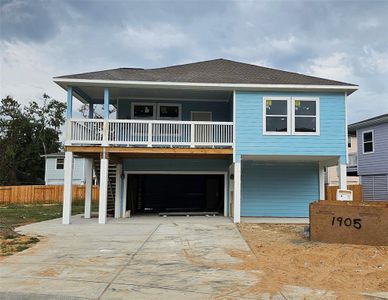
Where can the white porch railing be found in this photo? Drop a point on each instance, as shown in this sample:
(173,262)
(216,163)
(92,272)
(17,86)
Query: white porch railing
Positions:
(149,133)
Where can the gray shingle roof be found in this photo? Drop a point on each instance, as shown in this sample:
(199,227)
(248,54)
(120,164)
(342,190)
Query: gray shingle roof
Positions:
(211,71)
(368,122)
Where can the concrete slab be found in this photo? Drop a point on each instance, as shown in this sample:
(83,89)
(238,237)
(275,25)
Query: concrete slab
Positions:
(146,257)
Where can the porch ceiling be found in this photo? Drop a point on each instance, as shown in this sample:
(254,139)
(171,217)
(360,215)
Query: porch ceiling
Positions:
(95,94)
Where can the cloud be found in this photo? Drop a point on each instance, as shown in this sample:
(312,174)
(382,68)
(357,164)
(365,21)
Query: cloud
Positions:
(343,40)
(335,66)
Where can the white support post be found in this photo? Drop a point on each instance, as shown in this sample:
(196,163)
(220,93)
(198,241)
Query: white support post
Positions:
(237,192)
(118,191)
(321,182)
(88,187)
(342,176)
(68,187)
(102,208)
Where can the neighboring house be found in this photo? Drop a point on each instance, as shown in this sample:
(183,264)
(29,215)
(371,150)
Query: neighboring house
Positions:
(372,167)
(352,177)
(212,136)
(54,169)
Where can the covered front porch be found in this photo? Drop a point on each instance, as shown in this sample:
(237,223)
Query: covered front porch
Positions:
(129,116)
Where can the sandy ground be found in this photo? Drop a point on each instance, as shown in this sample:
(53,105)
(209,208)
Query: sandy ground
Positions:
(288,258)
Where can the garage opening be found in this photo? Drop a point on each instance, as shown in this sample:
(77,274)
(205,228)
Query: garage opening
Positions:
(175,193)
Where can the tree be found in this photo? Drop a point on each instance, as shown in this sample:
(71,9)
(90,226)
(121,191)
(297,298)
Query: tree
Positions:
(26,134)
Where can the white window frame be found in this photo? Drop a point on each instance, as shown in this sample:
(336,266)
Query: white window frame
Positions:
(202,112)
(317,115)
(169,104)
(145,104)
(373,141)
(276,98)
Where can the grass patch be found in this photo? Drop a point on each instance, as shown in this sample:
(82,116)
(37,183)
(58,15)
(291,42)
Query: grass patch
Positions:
(14,215)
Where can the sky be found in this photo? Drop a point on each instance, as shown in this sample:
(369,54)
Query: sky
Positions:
(341,40)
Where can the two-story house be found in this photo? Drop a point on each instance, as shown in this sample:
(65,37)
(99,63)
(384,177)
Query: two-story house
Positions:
(372,163)
(212,136)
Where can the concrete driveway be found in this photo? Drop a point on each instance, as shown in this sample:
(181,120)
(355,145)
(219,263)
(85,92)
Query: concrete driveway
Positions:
(138,258)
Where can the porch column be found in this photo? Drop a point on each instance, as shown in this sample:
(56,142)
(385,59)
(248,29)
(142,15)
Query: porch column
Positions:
(67,187)
(321,182)
(237,192)
(118,191)
(88,187)
(69,108)
(106,103)
(91,111)
(102,208)
(342,176)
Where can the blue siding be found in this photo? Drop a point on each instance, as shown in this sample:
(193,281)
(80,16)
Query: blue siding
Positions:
(249,128)
(278,189)
(220,110)
(376,162)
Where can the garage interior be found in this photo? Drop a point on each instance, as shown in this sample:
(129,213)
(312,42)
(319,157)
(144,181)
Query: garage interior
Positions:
(175,194)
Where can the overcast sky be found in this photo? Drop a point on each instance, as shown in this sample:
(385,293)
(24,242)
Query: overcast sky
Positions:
(342,40)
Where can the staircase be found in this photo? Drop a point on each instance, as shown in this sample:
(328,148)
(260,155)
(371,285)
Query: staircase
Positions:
(111,184)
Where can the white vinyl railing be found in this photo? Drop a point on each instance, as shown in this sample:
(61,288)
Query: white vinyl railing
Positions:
(149,133)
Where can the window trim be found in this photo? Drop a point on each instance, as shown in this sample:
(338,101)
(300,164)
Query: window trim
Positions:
(145,104)
(373,141)
(179,118)
(317,115)
(56,163)
(275,98)
(199,111)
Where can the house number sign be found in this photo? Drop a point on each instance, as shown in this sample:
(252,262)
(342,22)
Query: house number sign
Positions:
(347,222)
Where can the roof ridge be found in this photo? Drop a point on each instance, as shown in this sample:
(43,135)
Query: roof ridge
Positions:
(185,64)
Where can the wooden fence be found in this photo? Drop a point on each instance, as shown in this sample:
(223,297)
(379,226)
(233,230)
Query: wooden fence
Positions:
(29,194)
(331,191)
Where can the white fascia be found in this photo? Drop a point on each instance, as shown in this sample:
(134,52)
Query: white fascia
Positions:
(194,85)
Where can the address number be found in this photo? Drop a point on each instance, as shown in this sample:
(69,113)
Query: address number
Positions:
(340,221)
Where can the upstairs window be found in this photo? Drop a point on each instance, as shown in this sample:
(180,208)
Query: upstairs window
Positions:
(290,115)
(143,111)
(276,116)
(169,111)
(305,116)
(367,141)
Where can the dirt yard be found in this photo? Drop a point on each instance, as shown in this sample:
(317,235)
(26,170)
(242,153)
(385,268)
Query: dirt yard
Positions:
(288,258)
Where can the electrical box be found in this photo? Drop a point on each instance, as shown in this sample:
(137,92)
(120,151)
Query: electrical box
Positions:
(344,195)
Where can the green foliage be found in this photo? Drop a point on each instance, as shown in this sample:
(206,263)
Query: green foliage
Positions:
(26,134)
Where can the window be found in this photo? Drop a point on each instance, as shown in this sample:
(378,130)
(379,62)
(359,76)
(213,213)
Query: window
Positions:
(169,111)
(60,164)
(286,115)
(367,141)
(142,111)
(276,116)
(305,116)
(205,116)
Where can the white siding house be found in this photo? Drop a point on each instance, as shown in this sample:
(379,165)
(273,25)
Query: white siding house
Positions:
(54,169)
